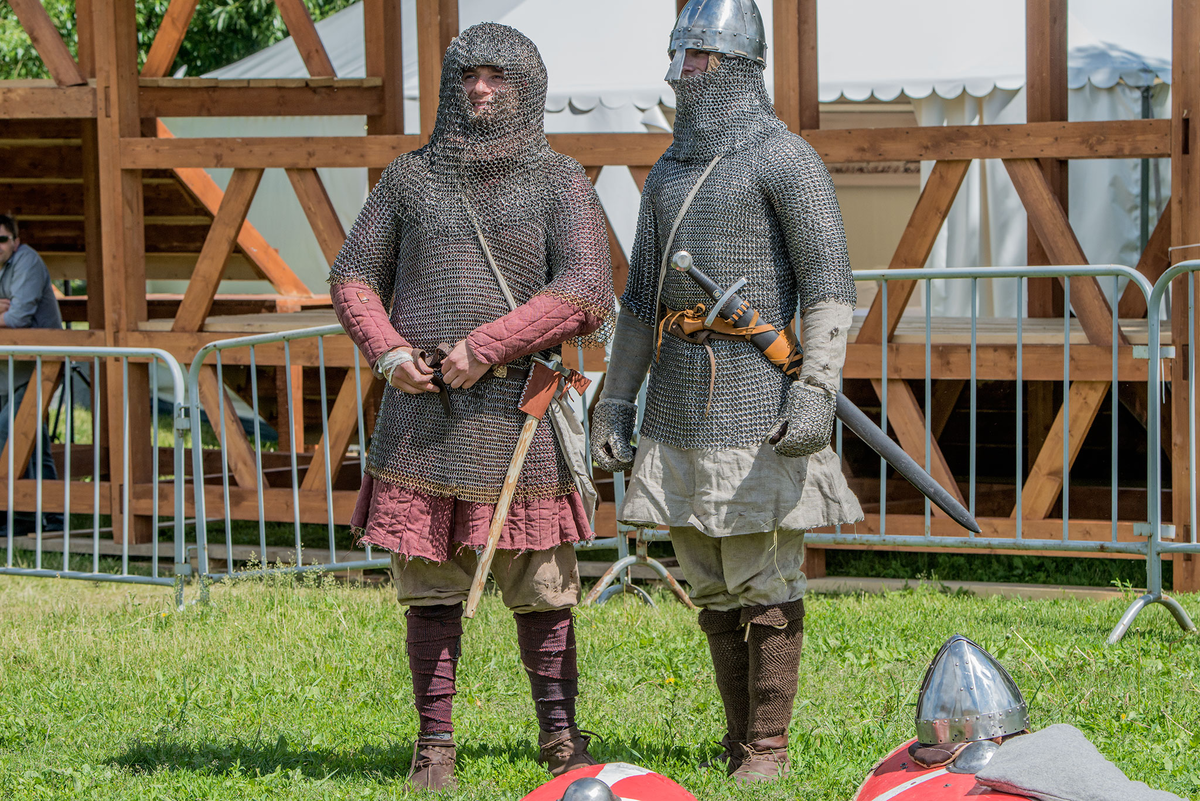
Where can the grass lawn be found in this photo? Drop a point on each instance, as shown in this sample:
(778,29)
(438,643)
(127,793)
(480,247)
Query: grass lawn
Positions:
(280,690)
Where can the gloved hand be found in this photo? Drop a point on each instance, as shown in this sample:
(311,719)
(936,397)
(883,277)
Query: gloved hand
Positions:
(612,435)
(806,420)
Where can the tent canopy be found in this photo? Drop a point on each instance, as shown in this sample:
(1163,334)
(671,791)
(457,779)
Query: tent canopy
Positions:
(616,58)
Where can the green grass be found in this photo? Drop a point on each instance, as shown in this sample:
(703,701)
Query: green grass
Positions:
(287,689)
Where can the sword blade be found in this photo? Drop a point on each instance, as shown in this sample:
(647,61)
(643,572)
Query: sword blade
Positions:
(853,418)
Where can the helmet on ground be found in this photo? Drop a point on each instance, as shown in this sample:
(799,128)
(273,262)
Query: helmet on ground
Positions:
(967,695)
(732,27)
(614,781)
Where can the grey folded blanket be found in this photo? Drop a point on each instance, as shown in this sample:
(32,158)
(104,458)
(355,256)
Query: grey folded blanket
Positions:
(1060,764)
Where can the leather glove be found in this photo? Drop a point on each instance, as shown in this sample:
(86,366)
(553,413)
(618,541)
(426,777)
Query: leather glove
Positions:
(805,422)
(612,435)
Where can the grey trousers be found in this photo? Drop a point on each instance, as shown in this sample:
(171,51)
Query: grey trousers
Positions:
(725,573)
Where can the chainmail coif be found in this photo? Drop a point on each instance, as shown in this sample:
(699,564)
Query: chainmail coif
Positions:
(768,213)
(415,244)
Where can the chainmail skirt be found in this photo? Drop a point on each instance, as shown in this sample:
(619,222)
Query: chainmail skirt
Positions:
(414,524)
(729,491)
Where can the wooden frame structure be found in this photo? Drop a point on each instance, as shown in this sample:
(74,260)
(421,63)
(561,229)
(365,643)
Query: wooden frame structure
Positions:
(124,151)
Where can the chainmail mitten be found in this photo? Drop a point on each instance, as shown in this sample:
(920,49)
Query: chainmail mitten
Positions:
(805,422)
(612,432)
(616,414)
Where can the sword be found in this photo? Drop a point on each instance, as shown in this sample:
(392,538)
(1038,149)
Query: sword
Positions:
(730,306)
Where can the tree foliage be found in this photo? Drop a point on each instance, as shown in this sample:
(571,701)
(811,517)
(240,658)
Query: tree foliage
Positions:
(221,32)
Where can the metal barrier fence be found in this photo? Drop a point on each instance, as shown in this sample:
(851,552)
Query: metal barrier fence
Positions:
(1155,547)
(275,504)
(109,556)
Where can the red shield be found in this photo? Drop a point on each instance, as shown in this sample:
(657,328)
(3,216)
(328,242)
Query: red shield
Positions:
(628,782)
(898,778)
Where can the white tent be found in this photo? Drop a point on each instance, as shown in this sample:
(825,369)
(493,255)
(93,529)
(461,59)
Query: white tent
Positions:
(957,61)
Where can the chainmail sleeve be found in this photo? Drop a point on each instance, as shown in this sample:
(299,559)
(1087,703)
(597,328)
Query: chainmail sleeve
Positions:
(646,257)
(577,252)
(803,198)
(371,249)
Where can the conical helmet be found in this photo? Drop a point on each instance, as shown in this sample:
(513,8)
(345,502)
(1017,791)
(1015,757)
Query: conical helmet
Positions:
(733,27)
(588,789)
(967,695)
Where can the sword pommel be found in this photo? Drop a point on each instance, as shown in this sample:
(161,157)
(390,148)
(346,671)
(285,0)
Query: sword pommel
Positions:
(682,261)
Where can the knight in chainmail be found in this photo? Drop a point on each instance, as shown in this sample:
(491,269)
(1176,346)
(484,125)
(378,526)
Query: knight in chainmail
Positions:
(733,455)
(486,241)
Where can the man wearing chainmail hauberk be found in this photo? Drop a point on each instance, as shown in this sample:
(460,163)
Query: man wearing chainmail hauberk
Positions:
(490,242)
(733,455)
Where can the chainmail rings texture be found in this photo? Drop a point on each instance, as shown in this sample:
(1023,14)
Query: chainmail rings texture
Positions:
(768,213)
(415,245)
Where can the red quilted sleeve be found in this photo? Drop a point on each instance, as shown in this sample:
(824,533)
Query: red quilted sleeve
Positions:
(541,323)
(361,313)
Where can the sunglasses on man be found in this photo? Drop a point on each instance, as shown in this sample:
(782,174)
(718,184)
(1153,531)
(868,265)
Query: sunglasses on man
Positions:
(5,238)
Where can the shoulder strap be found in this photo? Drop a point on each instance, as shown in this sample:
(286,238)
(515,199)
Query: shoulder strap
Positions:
(487,252)
(687,202)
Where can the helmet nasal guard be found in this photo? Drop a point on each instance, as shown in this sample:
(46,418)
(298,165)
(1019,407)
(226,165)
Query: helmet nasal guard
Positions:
(967,695)
(732,27)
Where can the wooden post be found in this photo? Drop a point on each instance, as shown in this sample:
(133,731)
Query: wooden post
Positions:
(1185,230)
(796,87)
(114,38)
(385,61)
(437,24)
(1045,101)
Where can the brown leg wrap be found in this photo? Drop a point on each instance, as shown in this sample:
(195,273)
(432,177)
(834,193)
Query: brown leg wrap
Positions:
(731,667)
(547,643)
(434,645)
(774,637)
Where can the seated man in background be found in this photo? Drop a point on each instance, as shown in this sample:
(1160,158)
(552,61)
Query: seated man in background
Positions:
(26,301)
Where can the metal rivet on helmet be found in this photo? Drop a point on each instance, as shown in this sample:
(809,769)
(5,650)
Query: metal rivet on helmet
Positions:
(967,695)
(733,27)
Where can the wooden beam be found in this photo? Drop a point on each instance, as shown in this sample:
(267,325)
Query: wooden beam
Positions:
(238,451)
(48,42)
(343,423)
(42,99)
(1049,220)
(1109,139)
(992,362)
(265,258)
(1155,260)
(382,30)
(906,417)
(430,53)
(640,174)
(168,38)
(810,89)
(1045,480)
(1185,230)
(28,420)
(916,243)
(114,36)
(338,98)
(304,33)
(786,53)
(217,247)
(945,395)
(322,216)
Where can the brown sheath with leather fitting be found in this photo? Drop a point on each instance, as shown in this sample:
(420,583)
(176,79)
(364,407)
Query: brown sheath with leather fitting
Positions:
(545,383)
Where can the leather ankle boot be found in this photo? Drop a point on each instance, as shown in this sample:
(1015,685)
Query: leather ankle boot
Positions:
(564,750)
(763,760)
(432,765)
